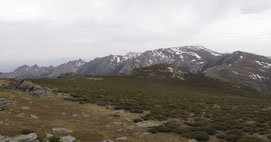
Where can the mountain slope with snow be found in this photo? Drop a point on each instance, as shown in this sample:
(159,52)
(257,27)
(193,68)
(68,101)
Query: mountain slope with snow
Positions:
(244,68)
(189,58)
(239,67)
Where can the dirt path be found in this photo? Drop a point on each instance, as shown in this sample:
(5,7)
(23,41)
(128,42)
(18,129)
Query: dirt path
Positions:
(89,122)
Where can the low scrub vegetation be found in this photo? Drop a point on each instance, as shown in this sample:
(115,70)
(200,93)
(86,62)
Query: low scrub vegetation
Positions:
(199,107)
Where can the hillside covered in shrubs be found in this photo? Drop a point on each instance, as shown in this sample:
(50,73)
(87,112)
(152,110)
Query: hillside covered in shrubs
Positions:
(193,106)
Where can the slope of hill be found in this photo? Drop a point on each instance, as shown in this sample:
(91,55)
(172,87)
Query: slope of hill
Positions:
(194,106)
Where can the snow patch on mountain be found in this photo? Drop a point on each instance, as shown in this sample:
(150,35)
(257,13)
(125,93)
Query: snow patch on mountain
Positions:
(205,49)
(235,72)
(264,64)
(256,76)
(132,54)
(179,51)
(170,69)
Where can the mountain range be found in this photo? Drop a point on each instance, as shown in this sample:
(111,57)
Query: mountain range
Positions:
(35,71)
(238,67)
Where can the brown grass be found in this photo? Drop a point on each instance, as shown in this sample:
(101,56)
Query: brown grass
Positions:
(89,122)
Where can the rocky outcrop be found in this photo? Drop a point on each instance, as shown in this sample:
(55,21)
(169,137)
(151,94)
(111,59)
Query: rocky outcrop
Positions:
(29,87)
(32,137)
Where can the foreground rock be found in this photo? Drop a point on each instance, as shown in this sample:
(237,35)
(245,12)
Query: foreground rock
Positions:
(32,137)
(67,139)
(27,86)
(146,124)
(61,130)
(117,113)
(121,139)
(3,104)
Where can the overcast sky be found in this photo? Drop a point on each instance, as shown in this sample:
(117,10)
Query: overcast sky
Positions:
(33,30)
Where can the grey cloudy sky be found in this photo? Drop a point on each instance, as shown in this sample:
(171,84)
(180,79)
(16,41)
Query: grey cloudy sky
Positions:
(33,30)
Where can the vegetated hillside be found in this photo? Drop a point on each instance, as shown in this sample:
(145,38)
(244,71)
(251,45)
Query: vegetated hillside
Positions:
(158,71)
(194,106)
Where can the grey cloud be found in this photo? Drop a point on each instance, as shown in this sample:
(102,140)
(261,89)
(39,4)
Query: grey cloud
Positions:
(255,6)
(38,29)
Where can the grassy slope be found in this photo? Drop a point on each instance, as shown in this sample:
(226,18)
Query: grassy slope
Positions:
(196,104)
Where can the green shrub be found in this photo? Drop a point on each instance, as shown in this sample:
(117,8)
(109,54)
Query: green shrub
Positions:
(26,131)
(162,129)
(201,136)
(172,125)
(232,137)
(184,132)
(137,120)
(136,111)
(250,139)
(54,139)
(221,136)
(153,131)
(209,130)
(235,132)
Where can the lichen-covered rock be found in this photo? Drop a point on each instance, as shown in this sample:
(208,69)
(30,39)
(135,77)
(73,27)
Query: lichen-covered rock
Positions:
(117,113)
(67,139)
(32,137)
(26,138)
(61,130)
(121,139)
(146,124)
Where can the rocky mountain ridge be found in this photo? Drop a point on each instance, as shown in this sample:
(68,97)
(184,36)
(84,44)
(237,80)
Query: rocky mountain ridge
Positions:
(193,59)
(239,67)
